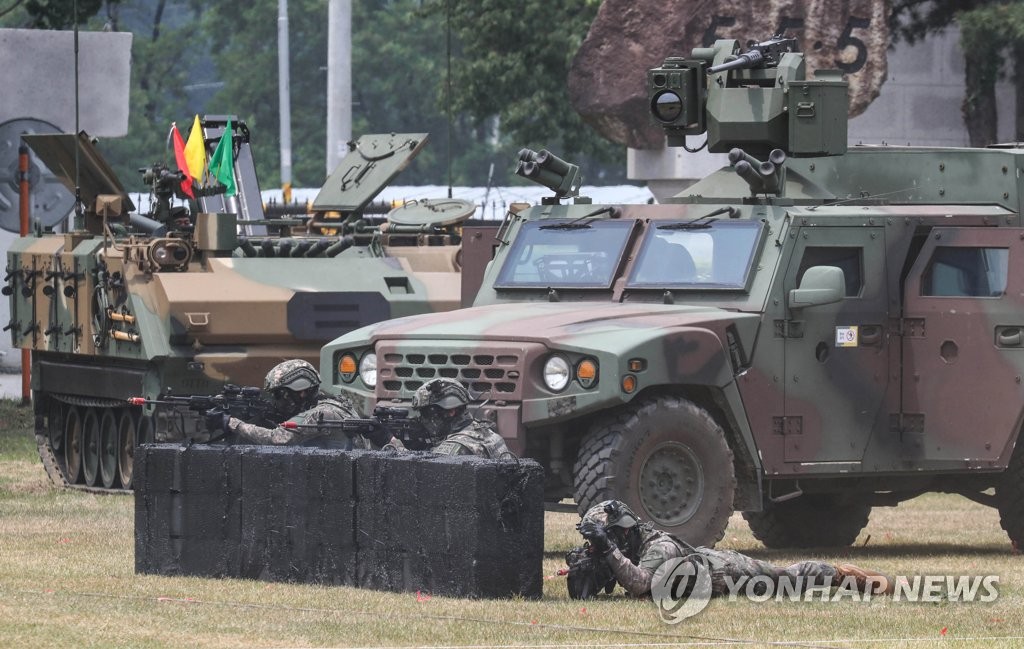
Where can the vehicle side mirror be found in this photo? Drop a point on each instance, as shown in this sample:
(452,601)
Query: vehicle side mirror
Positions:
(820,285)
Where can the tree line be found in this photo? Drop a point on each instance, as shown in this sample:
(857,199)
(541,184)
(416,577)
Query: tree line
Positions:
(220,57)
(506,88)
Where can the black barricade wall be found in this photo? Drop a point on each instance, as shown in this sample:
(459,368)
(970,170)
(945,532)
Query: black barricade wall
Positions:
(450,526)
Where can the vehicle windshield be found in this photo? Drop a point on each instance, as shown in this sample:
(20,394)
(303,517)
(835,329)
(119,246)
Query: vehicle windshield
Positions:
(565,253)
(716,254)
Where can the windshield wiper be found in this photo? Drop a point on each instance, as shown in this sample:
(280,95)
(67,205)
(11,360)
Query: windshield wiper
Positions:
(583,222)
(702,222)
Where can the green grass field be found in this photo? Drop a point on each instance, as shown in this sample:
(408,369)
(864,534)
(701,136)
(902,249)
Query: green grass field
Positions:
(67,579)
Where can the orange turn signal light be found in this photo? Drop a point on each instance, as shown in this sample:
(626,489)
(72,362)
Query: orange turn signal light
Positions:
(586,372)
(628,383)
(348,369)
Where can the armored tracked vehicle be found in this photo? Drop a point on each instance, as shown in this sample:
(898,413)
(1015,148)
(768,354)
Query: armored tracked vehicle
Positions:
(184,300)
(801,336)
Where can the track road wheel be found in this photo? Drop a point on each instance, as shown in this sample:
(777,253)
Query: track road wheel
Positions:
(1010,498)
(813,520)
(108,447)
(55,426)
(668,460)
(50,440)
(73,445)
(90,446)
(126,441)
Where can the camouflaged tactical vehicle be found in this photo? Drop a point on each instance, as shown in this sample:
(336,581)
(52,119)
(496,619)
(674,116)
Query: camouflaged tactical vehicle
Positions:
(182,302)
(802,336)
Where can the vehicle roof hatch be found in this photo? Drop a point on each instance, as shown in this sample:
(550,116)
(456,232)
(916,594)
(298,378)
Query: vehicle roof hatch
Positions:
(371,163)
(57,152)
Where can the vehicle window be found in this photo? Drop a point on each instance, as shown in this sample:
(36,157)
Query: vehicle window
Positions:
(718,254)
(966,272)
(848,259)
(546,255)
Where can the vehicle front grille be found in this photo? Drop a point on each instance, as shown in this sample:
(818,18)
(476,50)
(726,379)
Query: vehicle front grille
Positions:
(496,375)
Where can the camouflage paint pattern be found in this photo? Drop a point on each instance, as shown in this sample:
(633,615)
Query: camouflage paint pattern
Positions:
(871,352)
(138,315)
(881,390)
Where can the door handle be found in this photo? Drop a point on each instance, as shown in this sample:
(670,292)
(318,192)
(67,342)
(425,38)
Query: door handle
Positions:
(1009,337)
(870,334)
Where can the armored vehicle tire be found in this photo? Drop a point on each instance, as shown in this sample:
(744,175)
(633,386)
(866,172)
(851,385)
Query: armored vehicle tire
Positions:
(668,460)
(1010,498)
(814,520)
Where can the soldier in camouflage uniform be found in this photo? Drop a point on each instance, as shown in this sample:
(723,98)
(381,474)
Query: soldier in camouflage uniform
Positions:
(295,388)
(442,407)
(634,550)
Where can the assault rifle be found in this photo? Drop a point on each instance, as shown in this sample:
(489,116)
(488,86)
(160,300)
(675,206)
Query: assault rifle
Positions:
(245,403)
(588,574)
(385,423)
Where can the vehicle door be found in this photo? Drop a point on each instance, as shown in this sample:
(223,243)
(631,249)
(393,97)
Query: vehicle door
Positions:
(963,347)
(836,355)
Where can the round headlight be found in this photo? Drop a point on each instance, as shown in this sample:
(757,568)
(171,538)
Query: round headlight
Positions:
(347,368)
(368,369)
(557,373)
(667,106)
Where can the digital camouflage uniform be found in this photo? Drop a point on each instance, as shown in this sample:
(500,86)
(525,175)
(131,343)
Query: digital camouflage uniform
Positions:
(474,437)
(658,547)
(441,404)
(294,386)
(654,547)
(327,409)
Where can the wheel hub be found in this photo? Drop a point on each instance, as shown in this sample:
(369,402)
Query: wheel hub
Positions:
(671,484)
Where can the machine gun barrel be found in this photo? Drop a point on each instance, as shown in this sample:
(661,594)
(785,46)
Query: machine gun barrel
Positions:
(765,54)
(745,61)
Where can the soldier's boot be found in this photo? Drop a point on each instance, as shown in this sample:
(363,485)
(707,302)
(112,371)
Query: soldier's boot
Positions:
(878,583)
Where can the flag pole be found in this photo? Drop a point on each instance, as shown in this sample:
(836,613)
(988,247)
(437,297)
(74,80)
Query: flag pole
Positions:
(284,100)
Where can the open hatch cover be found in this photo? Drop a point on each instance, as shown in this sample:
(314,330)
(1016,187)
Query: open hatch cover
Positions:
(371,163)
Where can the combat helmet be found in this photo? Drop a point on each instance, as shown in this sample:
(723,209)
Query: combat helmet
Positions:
(447,394)
(612,513)
(295,375)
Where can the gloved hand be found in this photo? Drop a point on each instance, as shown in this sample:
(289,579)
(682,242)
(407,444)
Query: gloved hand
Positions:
(597,535)
(378,437)
(217,421)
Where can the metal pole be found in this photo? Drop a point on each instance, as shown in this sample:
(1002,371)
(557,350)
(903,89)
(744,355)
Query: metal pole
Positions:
(79,220)
(24,207)
(284,100)
(448,87)
(339,80)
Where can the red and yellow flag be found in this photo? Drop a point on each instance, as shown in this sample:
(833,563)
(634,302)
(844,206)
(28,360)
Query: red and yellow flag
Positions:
(195,152)
(179,157)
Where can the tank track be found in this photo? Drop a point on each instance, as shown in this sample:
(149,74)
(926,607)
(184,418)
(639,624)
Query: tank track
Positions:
(56,476)
(54,462)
